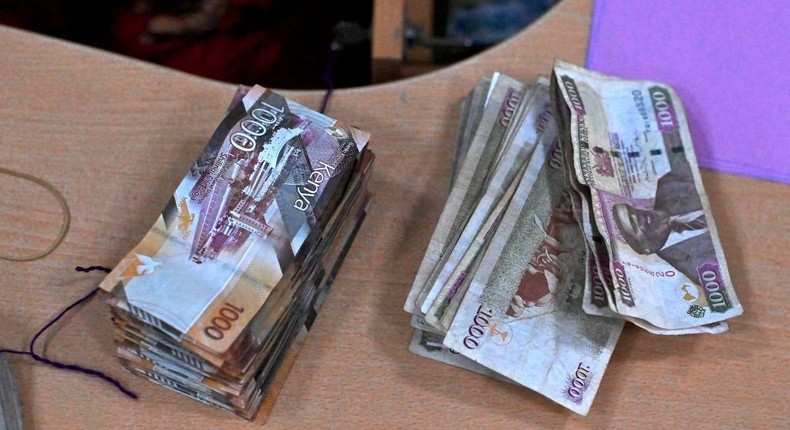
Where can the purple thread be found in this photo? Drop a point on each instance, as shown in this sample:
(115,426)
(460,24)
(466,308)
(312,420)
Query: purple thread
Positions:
(73,367)
(92,268)
(327,78)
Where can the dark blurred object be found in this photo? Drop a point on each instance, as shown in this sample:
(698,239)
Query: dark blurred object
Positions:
(416,35)
(481,23)
(488,22)
(412,37)
(268,42)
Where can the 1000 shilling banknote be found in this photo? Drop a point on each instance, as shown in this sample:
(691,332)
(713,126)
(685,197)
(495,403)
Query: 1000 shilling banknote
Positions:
(632,148)
(468,186)
(253,202)
(524,320)
(531,120)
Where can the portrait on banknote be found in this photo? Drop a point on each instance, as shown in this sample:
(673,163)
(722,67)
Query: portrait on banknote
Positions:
(675,228)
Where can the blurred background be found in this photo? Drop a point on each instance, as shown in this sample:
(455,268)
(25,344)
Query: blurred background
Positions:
(283,44)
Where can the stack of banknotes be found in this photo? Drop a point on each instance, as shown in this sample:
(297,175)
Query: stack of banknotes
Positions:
(216,300)
(576,205)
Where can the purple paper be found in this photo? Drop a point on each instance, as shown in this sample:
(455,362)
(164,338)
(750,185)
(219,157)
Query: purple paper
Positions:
(727,60)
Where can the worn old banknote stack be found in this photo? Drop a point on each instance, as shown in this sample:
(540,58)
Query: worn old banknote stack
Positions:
(216,300)
(576,204)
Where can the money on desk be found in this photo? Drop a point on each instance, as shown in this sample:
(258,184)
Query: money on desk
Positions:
(576,205)
(10,406)
(216,300)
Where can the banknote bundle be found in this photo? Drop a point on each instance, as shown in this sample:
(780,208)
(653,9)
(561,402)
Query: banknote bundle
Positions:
(576,204)
(216,300)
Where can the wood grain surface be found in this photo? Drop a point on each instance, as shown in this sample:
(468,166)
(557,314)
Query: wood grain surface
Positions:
(115,136)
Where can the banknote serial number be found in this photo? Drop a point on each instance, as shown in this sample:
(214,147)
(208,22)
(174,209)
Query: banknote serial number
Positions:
(653,273)
(639,100)
(221,323)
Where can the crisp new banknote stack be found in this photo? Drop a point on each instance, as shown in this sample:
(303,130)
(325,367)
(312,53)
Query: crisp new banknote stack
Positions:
(216,300)
(576,204)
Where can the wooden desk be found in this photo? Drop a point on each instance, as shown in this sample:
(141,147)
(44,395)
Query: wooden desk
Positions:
(116,135)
